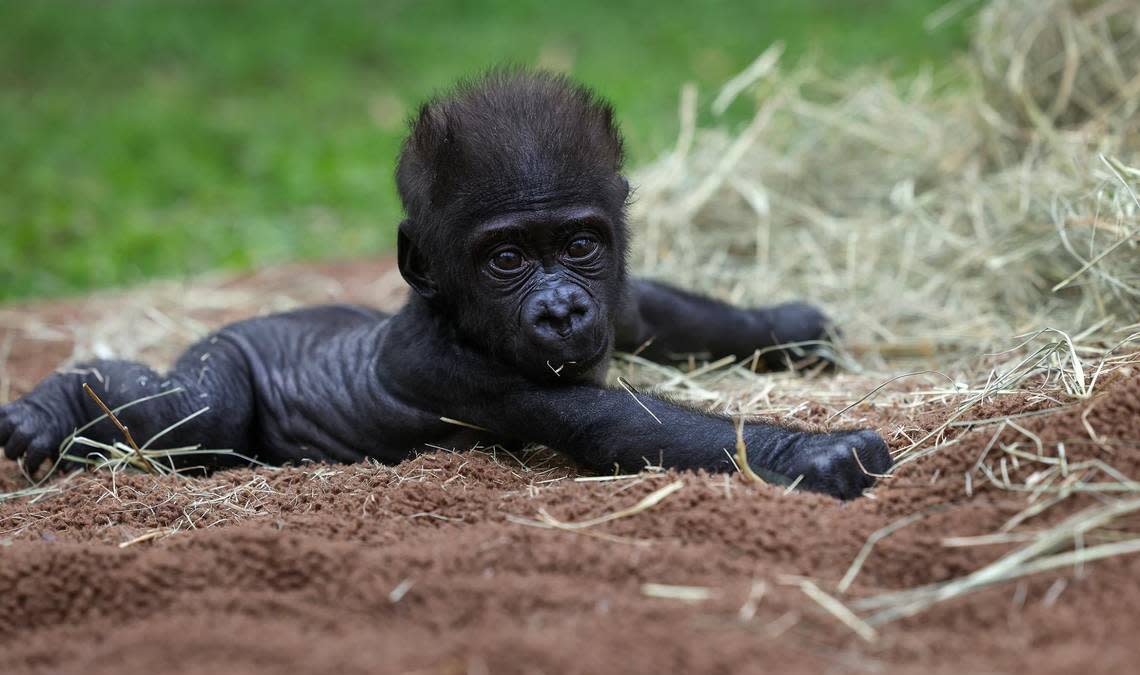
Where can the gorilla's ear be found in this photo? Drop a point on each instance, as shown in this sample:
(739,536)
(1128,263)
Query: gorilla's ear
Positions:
(413,265)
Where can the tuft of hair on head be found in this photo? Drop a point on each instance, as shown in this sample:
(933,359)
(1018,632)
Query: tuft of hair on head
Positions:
(509,131)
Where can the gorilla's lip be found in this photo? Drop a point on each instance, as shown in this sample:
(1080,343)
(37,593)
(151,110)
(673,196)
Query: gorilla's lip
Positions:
(579,365)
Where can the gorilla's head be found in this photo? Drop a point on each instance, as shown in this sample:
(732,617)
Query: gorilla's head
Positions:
(515,225)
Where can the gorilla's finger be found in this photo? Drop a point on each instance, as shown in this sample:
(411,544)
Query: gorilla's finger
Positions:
(38,450)
(16,444)
(872,452)
(7,422)
(67,465)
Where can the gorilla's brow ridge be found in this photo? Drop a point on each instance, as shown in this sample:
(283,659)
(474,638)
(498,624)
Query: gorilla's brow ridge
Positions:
(521,223)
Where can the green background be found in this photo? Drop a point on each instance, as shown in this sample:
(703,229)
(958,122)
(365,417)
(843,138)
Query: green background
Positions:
(163,138)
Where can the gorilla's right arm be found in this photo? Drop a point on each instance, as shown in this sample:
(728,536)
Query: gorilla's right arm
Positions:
(613,429)
(606,428)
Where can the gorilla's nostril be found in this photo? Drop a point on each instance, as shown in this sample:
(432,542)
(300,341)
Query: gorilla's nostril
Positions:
(559,323)
(559,316)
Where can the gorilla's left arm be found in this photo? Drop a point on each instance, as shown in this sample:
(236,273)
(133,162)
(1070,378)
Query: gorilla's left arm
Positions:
(664,323)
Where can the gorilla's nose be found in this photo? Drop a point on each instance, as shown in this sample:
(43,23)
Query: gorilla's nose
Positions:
(557,314)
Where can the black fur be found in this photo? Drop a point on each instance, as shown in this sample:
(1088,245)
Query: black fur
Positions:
(515,243)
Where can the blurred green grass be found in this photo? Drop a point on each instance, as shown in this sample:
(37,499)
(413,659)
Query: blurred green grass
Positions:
(163,138)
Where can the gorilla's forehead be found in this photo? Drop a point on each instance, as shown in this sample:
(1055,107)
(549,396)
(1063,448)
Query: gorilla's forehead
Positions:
(497,197)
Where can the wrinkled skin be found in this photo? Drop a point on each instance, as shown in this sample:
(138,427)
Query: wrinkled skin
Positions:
(515,244)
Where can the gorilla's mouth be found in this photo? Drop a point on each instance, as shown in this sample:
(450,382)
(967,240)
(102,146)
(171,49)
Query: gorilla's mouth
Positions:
(562,368)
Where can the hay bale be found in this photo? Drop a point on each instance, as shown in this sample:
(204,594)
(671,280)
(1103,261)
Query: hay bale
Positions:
(912,210)
(1060,62)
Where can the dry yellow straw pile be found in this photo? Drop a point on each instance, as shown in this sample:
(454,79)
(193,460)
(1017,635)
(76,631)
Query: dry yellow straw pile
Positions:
(933,218)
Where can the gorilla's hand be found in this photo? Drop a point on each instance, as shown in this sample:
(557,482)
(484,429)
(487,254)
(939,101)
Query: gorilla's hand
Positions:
(34,427)
(791,323)
(841,464)
(795,322)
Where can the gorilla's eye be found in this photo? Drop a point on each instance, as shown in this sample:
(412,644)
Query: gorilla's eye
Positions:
(507,260)
(582,247)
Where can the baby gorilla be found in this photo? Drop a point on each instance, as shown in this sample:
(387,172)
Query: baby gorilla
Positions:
(515,244)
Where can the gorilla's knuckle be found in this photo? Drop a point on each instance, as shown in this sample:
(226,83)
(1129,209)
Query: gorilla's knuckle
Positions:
(803,310)
(41,447)
(844,464)
(872,452)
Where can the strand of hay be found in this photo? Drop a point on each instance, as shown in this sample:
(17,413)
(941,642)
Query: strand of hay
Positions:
(1038,556)
(547,521)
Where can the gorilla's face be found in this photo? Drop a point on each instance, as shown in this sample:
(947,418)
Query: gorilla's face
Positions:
(515,202)
(545,284)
